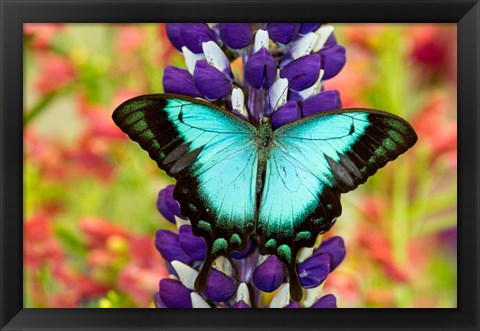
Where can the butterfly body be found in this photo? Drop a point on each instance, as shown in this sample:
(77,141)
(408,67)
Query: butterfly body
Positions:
(236,180)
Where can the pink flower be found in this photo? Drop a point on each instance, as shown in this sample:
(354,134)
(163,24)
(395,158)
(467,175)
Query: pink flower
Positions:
(129,38)
(55,72)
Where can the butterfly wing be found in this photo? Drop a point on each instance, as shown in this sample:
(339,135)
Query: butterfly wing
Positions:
(313,161)
(212,155)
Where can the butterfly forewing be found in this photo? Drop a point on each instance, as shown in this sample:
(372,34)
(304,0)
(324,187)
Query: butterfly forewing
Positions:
(212,155)
(312,161)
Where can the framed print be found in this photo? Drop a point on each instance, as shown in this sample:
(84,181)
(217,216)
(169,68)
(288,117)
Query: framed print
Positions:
(155,156)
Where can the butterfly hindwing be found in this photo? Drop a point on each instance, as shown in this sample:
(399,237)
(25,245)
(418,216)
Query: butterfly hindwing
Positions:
(212,155)
(312,162)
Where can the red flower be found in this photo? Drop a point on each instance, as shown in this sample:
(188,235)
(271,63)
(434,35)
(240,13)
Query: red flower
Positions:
(99,230)
(42,33)
(433,126)
(40,245)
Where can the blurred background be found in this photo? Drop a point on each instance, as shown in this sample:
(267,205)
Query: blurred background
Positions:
(89,192)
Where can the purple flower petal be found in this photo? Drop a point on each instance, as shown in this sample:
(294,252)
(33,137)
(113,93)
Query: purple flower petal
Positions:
(302,72)
(269,275)
(220,287)
(245,252)
(331,41)
(314,270)
(309,27)
(261,69)
(333,60)
(175,35)
(293,304)
(326,100)
(335,248)
(287,113)
(241,304)
(327,301)
(167,205)
(282,32)
(168,245)
(179,81)
(194,246)
(170,269)
(194,34)
(236,35)
(158,302)
(174,295)
(211,82)
(240,114)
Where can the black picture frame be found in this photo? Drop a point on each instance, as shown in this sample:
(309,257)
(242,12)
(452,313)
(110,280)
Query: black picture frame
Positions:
(13,13)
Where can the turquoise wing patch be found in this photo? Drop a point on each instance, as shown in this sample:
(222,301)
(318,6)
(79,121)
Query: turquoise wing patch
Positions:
(312,162)
(212,155)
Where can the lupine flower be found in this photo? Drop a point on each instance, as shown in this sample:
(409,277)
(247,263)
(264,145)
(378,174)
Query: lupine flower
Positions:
(284,66)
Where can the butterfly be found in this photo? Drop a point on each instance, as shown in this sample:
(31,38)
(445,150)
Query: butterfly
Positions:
(237,181)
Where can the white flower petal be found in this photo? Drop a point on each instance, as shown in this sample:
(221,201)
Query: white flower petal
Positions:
(304,45)
(262,258)
(238,101)
(305,253)
(311,295)
(223,264)
(261,40)
(282,297)
(197,301)
(186,274)
(323,33)
(191,59)
(179,222)
(314,89)
(243,294)
(215,56)
(278,93)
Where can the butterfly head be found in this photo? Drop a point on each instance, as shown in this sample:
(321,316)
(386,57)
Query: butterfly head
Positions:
(265,120)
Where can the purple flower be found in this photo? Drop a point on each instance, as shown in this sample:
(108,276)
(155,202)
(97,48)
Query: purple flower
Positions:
(283,32)
(220,287)
(289,112)
(333,60)
(179,81)
(335,248)
(303,72)
(261,69)
(284,67)
(175,35)
(172,294)
(236,35)
(194,34)
(269,275)
(168,245)
(326,100)
(167,205)
(327,301)
(212,83)
(314,270)
(308,27)
(193,246)
(241,304)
